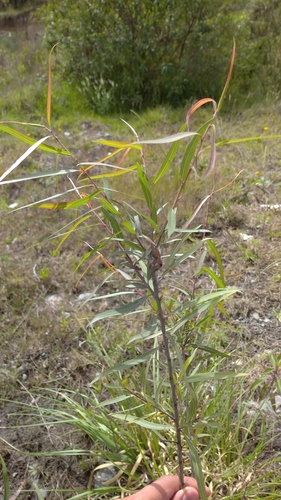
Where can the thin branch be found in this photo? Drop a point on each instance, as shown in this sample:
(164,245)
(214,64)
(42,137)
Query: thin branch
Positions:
(170,372)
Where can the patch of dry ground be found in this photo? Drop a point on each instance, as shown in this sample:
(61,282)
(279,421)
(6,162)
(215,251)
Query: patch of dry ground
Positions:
(43,341)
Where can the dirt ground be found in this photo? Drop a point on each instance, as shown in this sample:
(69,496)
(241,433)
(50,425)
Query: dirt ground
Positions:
(43,337)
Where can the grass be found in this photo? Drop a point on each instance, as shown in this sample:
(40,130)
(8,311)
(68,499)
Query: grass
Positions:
(61,420)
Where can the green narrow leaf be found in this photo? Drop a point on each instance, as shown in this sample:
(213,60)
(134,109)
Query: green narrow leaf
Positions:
(172,221)
(38,492)
(137,144)
(200,305)
(84,200)
(130,244)
(154,213)
(212,160)
(118,144)
(109,296)
(177,247)
(107,190)
(168,159)
(68,205)
(212,275)
(86,256)
(5,480)
(197,469)
(29,140)
(243,139)
(113,222)
(129,227)
(205,377)
(132,419)
(168,139)
(117,399)
(211,350)
(109,206)
(128,308)
(151,221)
(191,149)
(64,238)
(145,187)
(201,261)
(60,205)
(138,225)
(127,364)
(186,255)
(210,297)
(94,251)
(216,253)
(116,173)
(40,176)
(150,330)
(23,157)
(44,200)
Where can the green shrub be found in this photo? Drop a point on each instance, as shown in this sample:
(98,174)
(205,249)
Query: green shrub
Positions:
(134,54)
(137,54)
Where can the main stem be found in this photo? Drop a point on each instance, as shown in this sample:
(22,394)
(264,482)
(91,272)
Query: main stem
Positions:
(171,379)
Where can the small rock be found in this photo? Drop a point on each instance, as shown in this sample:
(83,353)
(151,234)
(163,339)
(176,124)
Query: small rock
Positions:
(54,300)
(245,237)
(102,475)
(13,205)
(271,207)
(84,296)
(256,316)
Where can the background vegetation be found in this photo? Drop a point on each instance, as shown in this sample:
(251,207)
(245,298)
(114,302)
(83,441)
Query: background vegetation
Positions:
(139,54)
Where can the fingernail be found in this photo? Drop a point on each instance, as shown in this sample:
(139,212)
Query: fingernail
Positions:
(188,493)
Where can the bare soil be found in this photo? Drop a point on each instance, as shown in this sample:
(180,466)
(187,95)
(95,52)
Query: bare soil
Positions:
(43,335)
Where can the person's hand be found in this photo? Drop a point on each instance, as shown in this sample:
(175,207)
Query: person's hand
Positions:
(168,488)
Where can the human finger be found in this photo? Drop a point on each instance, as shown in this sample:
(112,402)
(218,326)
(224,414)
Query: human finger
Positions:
(190,491)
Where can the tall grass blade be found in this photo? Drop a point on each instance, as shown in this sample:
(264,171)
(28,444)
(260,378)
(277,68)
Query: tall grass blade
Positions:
(228,77)
(5,480)
(49,96)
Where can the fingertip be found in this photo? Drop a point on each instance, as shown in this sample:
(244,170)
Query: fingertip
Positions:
(187,493)
(190,493)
